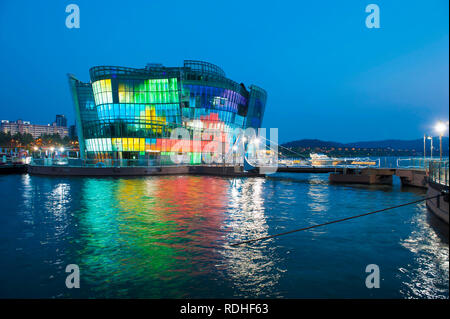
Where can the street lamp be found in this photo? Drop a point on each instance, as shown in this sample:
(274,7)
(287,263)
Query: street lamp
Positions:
(424,149)
(440,128)
(431,147)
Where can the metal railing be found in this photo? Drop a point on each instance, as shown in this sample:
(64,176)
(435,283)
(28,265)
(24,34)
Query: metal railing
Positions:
(166,161)
(439,172)
(77,162)
(414,162)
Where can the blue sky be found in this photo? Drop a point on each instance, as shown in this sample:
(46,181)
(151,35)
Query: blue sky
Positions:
(326,74)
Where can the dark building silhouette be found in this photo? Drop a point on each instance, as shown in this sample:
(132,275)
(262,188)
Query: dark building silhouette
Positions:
(61,120)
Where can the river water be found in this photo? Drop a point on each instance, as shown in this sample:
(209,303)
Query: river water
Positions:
(170,236)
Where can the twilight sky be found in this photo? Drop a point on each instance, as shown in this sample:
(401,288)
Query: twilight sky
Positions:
(326,74)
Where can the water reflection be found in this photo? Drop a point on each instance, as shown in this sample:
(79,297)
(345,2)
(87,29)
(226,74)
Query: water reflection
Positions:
(150,237)
(27,199)
(41,233)
(431,256)
(165,237)
(252,269)
(318,195)
(56,200)
(318,203)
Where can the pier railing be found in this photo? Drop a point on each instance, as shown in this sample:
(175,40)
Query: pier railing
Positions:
(414,162)
(405,163)
(77,162)
(439,172)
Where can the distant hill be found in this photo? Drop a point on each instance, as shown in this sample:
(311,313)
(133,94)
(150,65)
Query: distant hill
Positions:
(312,143)
(384,144)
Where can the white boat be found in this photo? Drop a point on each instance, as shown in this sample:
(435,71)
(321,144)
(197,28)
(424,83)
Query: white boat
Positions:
(318,159)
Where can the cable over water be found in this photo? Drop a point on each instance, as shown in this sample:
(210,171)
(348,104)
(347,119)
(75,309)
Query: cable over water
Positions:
(334,221)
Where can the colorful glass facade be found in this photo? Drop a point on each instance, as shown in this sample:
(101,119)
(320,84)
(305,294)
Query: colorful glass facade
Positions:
(127,113)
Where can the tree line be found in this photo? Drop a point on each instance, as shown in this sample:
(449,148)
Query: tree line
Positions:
(27,140)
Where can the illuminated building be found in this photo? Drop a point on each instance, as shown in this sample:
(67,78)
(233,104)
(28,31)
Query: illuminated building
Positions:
(130,114)
(25,127)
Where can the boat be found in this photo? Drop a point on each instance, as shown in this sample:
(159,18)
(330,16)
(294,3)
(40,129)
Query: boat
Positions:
(21,158)
(318,159)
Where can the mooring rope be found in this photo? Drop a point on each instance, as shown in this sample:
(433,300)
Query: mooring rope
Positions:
(301,155)
(334,221)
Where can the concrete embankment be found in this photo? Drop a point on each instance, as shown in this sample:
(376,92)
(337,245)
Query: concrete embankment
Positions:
(412,177)
(13,169)
(438,206)
(140,171)
(363,176)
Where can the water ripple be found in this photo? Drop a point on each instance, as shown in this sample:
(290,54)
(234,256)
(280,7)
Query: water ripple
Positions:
(169,237)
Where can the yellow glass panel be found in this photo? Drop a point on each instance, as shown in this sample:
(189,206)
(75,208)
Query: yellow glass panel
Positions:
(130,144)
(121,97)
(107,83)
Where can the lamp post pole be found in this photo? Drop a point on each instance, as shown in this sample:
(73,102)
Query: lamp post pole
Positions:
(424,149)
(440,146)
(431,148)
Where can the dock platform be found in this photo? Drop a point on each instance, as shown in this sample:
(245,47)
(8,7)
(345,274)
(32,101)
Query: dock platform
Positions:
(412,177)
(229,171)
(380,176)
(311,169)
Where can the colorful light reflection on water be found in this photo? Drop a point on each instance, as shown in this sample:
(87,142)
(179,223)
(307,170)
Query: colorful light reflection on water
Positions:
(169,237)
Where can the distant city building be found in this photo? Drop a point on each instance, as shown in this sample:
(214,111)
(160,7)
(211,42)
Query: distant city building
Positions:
(36,131)
(72,131)
(61,120)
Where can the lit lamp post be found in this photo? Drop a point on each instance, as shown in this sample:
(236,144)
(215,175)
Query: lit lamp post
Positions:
(440,128)
(424,148)
(52,149)
(431,147)
(35,148)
